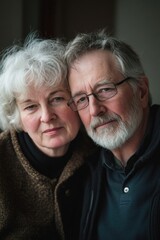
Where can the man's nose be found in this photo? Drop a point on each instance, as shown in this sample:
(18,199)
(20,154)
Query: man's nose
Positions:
(96,107)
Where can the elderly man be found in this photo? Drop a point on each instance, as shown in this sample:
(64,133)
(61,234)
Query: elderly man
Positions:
(110,91)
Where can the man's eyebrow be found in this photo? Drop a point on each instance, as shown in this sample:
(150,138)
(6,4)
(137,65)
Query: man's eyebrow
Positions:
(78,93)
(100,83)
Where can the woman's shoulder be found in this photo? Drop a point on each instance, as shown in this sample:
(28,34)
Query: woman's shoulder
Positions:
(4,135)
(8,138)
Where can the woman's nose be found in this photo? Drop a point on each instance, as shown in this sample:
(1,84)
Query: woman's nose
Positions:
(47,114)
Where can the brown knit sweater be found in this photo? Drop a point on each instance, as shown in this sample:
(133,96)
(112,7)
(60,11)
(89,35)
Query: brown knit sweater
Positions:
(33,206)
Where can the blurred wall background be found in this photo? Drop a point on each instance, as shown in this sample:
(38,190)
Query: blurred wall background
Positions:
(134,21)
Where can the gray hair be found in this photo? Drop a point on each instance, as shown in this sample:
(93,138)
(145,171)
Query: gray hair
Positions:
(127,60)
(38,62)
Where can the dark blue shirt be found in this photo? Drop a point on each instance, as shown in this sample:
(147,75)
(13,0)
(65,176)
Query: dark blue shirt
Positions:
(125,203)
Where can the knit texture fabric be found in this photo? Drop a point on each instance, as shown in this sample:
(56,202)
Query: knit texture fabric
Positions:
(30,203)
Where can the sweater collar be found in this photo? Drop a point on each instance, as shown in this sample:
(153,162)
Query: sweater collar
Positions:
(48,166)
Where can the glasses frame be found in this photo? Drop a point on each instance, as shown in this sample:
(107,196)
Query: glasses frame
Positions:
(71,101)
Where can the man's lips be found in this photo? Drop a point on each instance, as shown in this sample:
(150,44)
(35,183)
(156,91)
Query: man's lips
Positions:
(104,124)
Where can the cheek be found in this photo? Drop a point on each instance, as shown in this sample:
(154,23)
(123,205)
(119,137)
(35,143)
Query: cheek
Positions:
(121,107)
(72,121)
(85,117)
(29,124)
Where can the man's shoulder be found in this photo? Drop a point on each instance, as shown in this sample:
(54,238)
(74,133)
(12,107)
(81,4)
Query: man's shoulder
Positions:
(95,158)
(155,109)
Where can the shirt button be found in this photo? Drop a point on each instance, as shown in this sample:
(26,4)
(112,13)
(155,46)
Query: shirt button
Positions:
(67,192)
(126,189)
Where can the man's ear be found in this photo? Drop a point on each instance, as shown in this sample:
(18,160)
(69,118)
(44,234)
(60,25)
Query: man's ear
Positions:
(144,91)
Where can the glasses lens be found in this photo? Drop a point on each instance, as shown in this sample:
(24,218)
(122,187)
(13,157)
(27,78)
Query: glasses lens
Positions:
(80,101)
(72,106)
(106,91)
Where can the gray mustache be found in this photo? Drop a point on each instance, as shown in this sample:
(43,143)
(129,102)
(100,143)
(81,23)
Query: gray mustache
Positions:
(104,119)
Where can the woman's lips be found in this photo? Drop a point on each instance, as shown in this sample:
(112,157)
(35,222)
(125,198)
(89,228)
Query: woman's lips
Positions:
(52,130)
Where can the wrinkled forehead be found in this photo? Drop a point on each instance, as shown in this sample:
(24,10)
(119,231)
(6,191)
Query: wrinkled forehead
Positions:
(91,68)
(95,60)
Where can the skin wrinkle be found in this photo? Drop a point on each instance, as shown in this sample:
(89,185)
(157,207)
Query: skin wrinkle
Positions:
(125,107)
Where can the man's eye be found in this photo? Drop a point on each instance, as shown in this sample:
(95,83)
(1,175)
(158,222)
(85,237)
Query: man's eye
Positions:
(81,100)
(105,89)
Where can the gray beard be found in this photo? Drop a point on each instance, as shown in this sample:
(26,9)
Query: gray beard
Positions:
(119,132)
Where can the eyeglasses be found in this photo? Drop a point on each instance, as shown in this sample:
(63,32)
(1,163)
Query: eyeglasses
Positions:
(104,92)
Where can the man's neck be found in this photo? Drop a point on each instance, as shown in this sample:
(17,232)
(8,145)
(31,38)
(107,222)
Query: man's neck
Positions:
(124,152)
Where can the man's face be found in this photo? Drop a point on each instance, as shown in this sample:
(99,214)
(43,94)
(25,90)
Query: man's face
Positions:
(112,122)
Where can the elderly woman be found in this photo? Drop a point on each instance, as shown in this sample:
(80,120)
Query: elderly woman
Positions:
(41,151)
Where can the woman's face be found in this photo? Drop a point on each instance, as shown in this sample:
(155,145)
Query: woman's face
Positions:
(47,119)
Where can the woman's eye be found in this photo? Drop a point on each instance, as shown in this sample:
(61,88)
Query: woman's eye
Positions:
(57,100)
(30,107)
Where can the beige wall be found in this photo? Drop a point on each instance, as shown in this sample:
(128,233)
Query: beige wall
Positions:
(138,23)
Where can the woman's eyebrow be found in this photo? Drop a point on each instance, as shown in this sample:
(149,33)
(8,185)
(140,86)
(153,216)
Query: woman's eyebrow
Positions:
(57,91)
